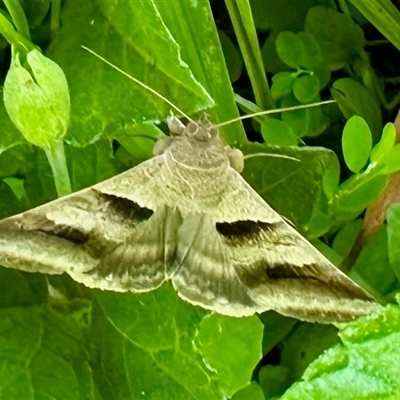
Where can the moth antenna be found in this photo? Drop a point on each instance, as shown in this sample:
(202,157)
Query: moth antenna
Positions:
(247,156)
(137,81)
(266,112)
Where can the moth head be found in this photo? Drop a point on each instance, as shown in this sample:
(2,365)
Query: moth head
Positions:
(202,130)
(199,133)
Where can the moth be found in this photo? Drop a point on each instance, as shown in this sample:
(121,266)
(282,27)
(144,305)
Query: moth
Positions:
(185,216)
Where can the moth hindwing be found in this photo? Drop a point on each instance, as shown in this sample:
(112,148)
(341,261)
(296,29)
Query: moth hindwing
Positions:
(187,216)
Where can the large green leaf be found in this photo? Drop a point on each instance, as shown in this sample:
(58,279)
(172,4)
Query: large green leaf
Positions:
(363,366)
(293,187)
(170,347)
(162,51)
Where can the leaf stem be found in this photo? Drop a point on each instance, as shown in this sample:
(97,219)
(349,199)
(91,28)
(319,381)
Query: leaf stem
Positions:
(18,16)
(12,36)
(56,156)
(243,24)
(55,16)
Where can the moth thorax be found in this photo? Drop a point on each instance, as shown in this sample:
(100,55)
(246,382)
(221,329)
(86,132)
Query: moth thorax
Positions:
(195,155)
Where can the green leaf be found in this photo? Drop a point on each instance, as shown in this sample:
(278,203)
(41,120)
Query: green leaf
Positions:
(292,188)
(385,145)
(195,48)
(252,391)
(312,57)
(274,380)
(39,182)
(355,99)
(271,60)
(304,344)
(304,122)
(289,14)
(282,83)
(331,178)
(384,15)
(337,35)
(234,61)
(217,336)
(150,53)
(356,143)
(44,353)
(9,135)
(278,133)
(306,88)
(184,353)
(138,142)
(92,164)
(392,162)
(357,193)
(393,228)
(290,49)
(345,238)
(276,328)
(19,289)
(373,262)
(353,369)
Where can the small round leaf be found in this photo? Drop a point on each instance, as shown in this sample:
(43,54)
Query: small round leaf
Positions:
(306,88)
(290,49)
(356,143)
(278,133)
(282,83)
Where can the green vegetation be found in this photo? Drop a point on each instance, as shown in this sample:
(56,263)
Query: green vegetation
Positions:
(76,343)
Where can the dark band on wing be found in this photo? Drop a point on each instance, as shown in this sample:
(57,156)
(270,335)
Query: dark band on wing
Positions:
(240,230)
(122,210)
(126,209)
(261,273)
(69,233)
(268,269)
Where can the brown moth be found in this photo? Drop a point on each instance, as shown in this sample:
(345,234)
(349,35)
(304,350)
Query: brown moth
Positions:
(187,216)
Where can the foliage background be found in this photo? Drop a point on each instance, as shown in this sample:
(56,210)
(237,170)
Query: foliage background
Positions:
(88,344)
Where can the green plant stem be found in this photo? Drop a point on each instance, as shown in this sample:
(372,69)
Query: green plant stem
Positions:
(383,15)
(9,33)
(55,16)
(56,156)
(18,17)
(242,20)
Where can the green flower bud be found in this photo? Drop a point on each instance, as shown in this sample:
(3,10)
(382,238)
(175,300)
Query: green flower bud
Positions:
(37,98)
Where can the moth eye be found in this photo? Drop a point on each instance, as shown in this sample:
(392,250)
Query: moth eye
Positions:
(192,128)
(202,135)
(213,132)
